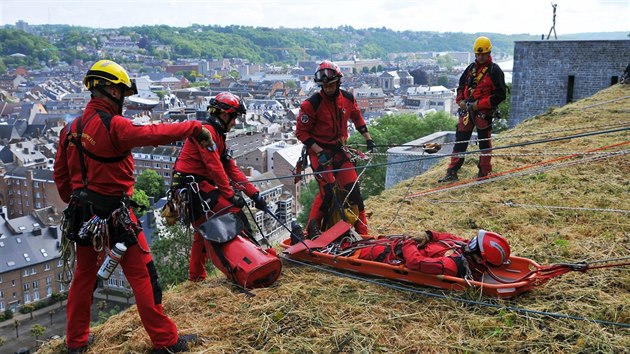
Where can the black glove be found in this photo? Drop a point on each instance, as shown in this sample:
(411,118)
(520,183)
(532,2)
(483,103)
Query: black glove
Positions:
(259,202)
(370,145)
(323,158)
(237,201)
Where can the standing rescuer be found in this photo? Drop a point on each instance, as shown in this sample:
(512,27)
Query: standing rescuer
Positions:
(481,89)
(94,175)
(212,169)
(322,126)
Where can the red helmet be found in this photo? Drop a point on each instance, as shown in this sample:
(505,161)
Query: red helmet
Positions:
(228,102)
(327,72)
(493,248)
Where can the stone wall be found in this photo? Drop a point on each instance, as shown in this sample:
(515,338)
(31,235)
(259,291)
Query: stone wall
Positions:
(542,71)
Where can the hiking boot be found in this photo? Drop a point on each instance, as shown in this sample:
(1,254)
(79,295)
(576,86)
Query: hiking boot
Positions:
(297,234)
(312,230)
(84,348)
(482,175)
(180,346)
(450,176)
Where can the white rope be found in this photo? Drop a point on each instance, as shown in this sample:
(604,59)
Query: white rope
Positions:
(510,203)
(524,173)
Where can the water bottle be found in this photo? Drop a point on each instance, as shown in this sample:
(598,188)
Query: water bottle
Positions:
(114,256)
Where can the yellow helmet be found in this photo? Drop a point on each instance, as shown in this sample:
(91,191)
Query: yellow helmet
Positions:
(482,45)
(107,72)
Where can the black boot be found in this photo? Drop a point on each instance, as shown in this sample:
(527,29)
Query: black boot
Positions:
(180,346)
(312,230)
(450,176)
(297,234)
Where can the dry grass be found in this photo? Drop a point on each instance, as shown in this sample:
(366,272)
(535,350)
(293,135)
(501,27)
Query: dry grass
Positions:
(310,311)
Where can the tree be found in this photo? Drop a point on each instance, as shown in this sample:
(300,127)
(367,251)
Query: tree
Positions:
(443,80)
(307,196)
(28,308)
(504,112)
(171,251)
(420,77)
(141,198)
(151,183)
(37,330)
(392,131)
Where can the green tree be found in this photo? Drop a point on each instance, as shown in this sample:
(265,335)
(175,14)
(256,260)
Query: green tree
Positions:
(443,80)
(171,251)
(28,308)
(37,330)
(151,183)
(501,124)
(291,84)
(141,198)
(391,131)
(307,196)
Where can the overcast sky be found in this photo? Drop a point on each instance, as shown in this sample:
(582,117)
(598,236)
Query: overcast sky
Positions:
(469,16)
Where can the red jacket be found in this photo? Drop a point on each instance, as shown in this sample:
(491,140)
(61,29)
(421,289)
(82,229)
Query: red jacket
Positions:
(213,163)
(108,135)
(324,120)
(441,255)
(490,89)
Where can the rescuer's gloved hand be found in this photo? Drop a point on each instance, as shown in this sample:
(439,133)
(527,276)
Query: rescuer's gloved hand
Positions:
(237,201)
(370,145)
(259,202)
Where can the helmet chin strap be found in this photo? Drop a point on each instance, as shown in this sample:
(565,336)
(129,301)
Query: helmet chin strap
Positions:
(119,101)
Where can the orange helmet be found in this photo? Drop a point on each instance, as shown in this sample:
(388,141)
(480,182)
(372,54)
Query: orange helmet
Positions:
(327,71)
(493,248)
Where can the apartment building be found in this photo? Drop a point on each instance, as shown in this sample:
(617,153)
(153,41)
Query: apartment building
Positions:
(30,262)
(23,190)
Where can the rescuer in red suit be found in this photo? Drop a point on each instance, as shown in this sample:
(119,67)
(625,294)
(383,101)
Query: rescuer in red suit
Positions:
(322,126)
(212,168)
(438,252)
(481,89)
(93,172)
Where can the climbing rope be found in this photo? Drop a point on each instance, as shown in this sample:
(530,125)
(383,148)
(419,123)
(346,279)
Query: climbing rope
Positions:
(511,204)
(444,296)
(518,173)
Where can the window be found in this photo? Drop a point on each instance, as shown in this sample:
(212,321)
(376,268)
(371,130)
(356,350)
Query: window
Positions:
(1,305)
(27,203)
(48,280)
(13,282)
(0,279)
(1,294)
(38,205)
(37,195)
(33,271)
(59,263)
(36,184)
(26,286)
(47,266)
(36,284)
(570,85)
(27,298)
(26,272)
(19,192)
(24,184)
(36,296)
(48,291)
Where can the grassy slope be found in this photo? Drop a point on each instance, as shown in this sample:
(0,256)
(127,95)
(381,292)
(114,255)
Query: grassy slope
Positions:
(309,311)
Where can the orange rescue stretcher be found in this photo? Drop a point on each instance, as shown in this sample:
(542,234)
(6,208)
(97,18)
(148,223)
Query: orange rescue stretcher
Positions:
(520,275)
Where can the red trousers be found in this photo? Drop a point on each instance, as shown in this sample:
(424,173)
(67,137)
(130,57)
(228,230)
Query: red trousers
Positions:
(141,275)
(344,179)
(198,252)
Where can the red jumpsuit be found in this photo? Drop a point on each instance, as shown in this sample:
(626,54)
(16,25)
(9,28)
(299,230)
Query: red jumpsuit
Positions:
(324,120)
(108,135)
(213,169)
(441,255)
(485,83)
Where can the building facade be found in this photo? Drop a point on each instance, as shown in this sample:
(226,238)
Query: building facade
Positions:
(553,73)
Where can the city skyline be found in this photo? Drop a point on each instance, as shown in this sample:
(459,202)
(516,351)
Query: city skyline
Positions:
(493,16)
